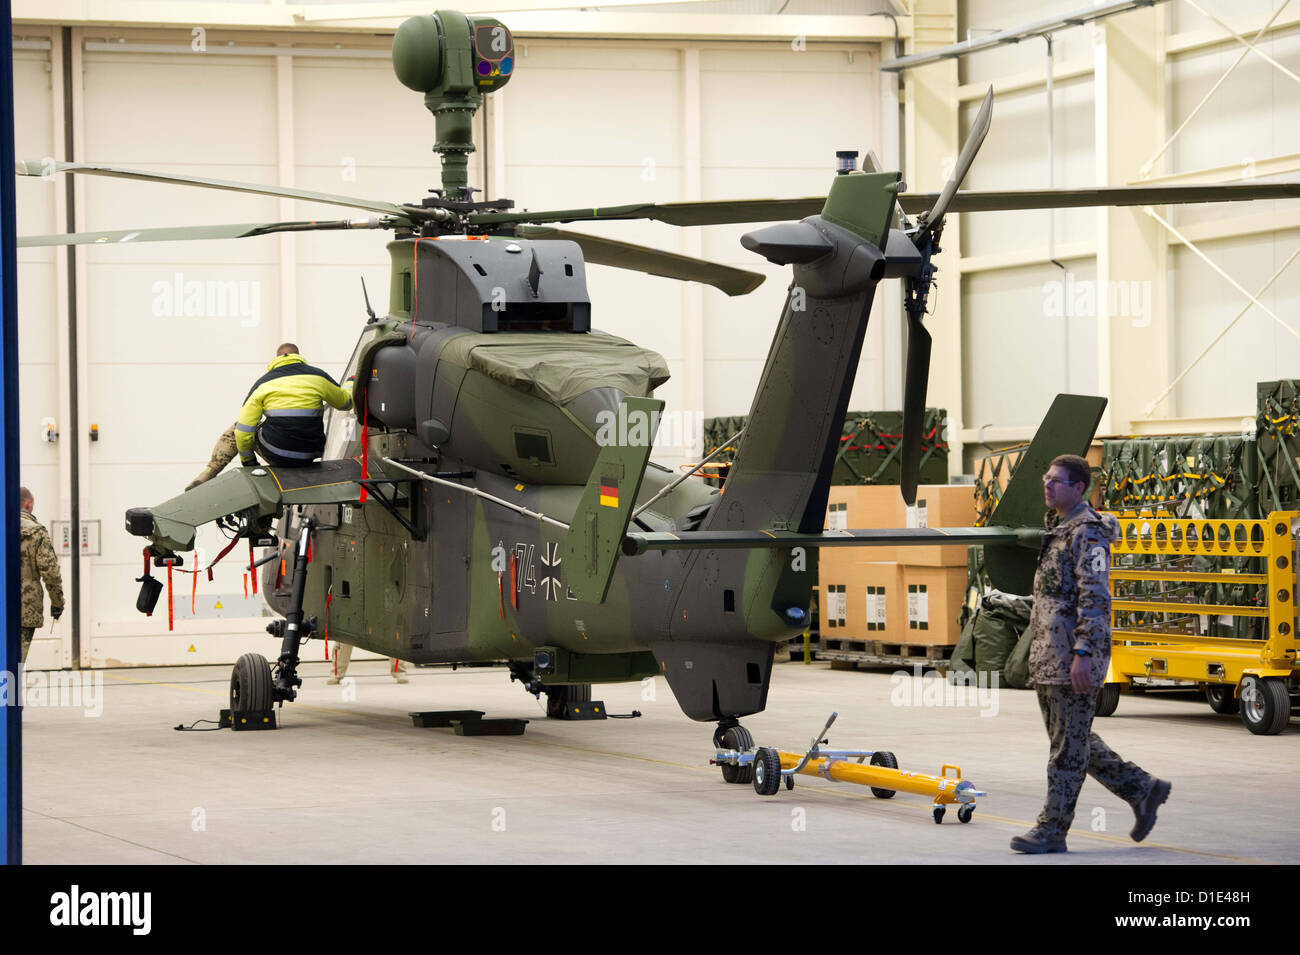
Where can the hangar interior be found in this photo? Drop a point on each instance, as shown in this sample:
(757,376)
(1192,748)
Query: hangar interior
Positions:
(134,358)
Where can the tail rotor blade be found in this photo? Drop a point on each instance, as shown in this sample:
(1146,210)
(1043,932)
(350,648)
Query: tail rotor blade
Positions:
(979,129)
(914,387)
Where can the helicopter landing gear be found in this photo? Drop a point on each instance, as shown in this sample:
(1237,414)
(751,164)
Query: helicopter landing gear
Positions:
(731,735)
(293,629)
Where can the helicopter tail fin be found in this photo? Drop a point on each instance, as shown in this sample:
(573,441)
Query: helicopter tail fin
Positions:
(591,547)
(1068,428)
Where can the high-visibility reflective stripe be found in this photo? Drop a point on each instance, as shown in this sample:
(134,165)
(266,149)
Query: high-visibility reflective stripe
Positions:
(295,413)
(249,428)
(297,455)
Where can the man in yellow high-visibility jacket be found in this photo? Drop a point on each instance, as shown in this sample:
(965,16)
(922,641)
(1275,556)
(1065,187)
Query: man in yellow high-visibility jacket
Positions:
(283,416)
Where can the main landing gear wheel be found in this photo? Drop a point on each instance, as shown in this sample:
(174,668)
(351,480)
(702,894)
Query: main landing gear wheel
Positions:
(559,697)
(965,812)
(884,757)
(767,771)
(738,738)
(250,684)
(1265,705)
(1108,699)
(1222,699)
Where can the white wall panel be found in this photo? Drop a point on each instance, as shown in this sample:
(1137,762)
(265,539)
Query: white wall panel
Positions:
(978,18)
(1015,340)
(1256,349)
(771,123)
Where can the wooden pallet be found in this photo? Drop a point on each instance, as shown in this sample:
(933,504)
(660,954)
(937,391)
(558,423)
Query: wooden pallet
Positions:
(873,654)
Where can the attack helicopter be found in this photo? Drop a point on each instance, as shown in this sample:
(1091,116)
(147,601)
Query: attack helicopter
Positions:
(491,496)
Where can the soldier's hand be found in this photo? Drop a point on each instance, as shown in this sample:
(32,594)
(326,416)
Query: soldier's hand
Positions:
(56,612)
(1081,674)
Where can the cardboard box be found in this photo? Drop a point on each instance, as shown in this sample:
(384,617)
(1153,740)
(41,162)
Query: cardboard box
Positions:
(939,505)
(934,598)
(862,601)
(863,506)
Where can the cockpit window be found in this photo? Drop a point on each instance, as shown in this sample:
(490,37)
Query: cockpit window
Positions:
(341,431)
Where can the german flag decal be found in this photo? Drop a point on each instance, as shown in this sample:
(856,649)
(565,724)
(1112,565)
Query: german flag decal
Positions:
(609,492)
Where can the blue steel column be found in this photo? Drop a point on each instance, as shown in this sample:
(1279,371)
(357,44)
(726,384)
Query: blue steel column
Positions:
(11,748)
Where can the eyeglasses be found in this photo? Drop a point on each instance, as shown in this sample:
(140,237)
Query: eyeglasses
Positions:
(1049,481)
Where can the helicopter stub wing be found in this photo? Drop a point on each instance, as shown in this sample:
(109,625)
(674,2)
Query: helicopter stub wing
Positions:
(591,546)
(251,493)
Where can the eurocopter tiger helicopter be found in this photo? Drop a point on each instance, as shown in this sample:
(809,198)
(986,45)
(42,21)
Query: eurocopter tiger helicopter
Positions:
(490,496)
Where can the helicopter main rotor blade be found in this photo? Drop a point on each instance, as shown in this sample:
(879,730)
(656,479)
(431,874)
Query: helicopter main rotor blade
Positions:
(718,212)
(979,129)
(640,258)
(45,168)
(1015,199)
(242,230)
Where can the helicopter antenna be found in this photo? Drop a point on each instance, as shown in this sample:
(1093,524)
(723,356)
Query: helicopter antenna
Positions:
(366,295)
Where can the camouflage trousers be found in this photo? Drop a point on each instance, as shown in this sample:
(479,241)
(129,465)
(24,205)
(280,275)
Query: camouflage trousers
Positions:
(1076,752)
(27,640)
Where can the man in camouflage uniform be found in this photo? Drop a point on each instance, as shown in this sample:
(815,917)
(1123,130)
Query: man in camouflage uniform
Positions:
(223,452)
(38,564)
(1069,657)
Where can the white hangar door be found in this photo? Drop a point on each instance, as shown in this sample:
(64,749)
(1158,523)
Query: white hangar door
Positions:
(174,334)
(41,385)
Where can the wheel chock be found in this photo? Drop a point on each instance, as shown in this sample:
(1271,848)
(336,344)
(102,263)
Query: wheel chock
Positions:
(590,710)
(501,727)
(248,720)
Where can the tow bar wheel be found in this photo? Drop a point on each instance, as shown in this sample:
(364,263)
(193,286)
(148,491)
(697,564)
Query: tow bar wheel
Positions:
(767,771)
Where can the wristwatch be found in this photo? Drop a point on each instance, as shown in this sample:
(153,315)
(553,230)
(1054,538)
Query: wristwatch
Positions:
(1082,653)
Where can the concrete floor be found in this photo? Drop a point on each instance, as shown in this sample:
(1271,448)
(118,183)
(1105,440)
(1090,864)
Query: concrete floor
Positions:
(353,781)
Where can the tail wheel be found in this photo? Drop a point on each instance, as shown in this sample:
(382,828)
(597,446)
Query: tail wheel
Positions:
(558,697)
(767,771)
(250,684)
(1107,699)
(883,758)
(1222,699)
(1265,705)
(738,738)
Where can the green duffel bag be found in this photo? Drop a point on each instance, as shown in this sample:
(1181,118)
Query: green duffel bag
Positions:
(1001,620)
(962,661)
(1016,673)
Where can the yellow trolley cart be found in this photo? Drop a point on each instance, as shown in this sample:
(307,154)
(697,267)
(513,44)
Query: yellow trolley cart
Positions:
(1250,676)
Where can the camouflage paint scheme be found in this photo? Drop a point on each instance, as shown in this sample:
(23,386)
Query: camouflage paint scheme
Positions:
(477,581)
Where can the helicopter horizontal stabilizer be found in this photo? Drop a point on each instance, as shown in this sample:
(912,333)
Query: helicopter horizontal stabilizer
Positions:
(249,493)
(1010,542)
(591,547)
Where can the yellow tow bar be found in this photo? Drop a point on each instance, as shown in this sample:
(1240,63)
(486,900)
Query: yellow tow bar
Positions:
(881,773)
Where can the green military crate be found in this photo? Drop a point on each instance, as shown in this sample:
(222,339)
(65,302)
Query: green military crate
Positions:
(869,447)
